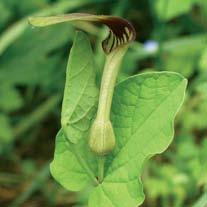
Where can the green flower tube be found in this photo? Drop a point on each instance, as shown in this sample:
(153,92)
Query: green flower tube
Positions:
(102,139)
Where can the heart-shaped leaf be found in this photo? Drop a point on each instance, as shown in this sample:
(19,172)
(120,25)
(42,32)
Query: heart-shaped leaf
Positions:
(143,111)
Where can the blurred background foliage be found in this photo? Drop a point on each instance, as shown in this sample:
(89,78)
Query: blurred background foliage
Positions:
(171,35)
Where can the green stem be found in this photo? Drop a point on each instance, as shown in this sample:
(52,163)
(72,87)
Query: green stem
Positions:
(101,162)
(162,28)
(111,69)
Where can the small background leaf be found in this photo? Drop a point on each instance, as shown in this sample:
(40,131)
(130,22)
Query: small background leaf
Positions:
(10,98)
(168,9)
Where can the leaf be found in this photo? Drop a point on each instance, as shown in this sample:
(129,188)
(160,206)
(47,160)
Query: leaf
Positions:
(31,63)
(202,202)
(10,98)
(6,134)
(181,55)
(12,33)
(168,9)
(27,7)
(144,107)
(78,110)
(5,14)
(143,111)
(203,61)
(81,93)
(66,167)
(195,118)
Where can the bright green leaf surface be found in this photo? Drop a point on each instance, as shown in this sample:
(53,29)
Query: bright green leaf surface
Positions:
(81,93)
(79,104)
(66,167)
(144,108)
(202,202)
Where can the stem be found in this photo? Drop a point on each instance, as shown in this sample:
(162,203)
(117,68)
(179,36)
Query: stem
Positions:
(101,162)
(162,27)
(111,69)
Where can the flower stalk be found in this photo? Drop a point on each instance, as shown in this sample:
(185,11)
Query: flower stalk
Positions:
(101,138)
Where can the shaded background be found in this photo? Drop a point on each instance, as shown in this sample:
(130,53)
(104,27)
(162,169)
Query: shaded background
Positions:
(171,35)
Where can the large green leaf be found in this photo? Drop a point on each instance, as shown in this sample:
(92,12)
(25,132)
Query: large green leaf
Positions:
(78,109)
(81,93)
(144,107)
(143,111)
